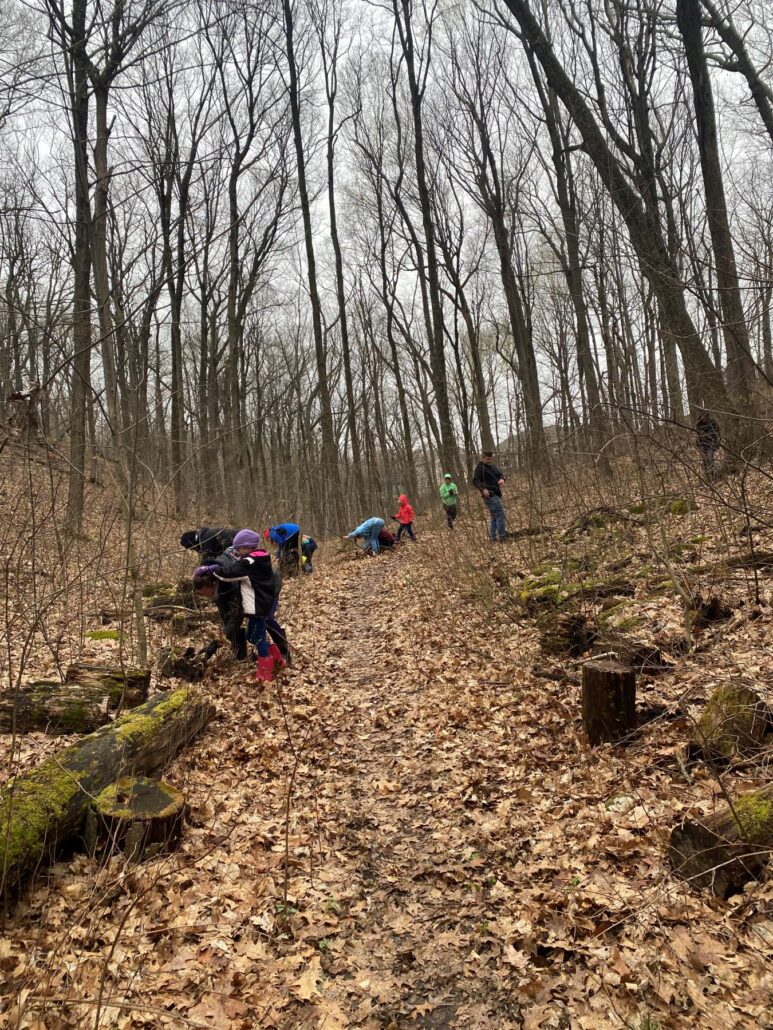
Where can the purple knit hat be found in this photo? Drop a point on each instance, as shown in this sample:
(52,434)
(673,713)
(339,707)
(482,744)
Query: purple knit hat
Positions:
(247,538)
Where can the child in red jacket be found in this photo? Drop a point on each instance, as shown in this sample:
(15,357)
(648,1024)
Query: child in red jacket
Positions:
(405,517)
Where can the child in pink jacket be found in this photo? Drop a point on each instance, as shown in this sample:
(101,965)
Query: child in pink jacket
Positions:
(405,517)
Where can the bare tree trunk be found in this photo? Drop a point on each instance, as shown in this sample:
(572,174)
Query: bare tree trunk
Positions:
(740,364)
(328,474)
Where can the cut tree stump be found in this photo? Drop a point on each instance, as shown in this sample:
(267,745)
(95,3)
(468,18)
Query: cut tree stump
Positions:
(43,809)
(725,851)
(734,722)
(608,701)
(140,816)
(54,708)
(125,687)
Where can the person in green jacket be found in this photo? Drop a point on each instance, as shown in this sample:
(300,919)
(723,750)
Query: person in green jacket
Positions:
(449,495)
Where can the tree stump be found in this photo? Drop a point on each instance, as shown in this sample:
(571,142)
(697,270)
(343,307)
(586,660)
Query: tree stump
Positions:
(734,722)
(43,809)
(725,851)
(53,708)
(140,816)
(125,687)
(608,701)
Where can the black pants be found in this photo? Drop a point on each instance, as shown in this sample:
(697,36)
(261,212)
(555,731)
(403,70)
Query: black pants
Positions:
(450,514)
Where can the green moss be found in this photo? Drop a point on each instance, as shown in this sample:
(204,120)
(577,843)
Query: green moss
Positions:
(29,806)
(681,506)
(728,719)
(136,726)
(131,796)
(631,622)
(103,634)
(546,587)
(637,509)
(755,818)
(151,589)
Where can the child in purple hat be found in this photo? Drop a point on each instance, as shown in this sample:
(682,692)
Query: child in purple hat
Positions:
(250,564)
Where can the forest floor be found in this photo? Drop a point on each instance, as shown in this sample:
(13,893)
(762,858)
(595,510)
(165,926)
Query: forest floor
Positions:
(407,828)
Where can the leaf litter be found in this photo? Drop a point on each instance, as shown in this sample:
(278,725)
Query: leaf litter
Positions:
(407,829)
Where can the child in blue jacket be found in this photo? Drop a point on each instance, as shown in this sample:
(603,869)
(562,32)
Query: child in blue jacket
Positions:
(369,531)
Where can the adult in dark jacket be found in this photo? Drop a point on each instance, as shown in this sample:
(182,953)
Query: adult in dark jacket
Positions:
(228,599)
(227,596)
(210,543)
(488,481)
(709,436)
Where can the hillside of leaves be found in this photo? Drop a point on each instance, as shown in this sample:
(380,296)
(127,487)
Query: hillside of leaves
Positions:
(407,828)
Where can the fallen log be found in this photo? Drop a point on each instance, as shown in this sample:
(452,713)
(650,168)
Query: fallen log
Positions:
(140,816)
(44,809)
(519,534)
(734,722)
(613,588)
(725,851)
(125,687)
(608,701)
(753,560)
(54,708)
(643,658)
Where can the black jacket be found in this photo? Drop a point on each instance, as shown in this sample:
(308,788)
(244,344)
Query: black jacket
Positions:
(210,543)
(708,432)
(255,576)
(486,477)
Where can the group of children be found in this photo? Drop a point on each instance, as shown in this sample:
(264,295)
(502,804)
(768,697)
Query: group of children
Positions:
(238,574)
(374,534)
(376,537)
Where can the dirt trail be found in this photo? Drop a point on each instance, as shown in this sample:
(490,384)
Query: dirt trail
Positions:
(383,793)
(454,855)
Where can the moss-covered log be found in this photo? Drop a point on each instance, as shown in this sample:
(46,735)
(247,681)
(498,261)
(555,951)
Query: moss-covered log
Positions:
(181,606)
(53,707)
(725,851)
(600,590)
(138,815)
(734,722)
(608,701)
(43,809)
(125,687)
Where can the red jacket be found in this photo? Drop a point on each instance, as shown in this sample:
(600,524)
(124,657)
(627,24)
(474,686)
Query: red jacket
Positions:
(405,514)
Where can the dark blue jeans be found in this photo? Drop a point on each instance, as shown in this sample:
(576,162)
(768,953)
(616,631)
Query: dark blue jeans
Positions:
(406,527)
(497,528)
(256,634)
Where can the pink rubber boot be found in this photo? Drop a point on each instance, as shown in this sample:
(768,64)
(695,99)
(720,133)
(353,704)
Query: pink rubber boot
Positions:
(276,654)
(265,671)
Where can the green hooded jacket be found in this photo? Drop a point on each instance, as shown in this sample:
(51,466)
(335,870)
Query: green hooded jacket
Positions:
(449,493)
